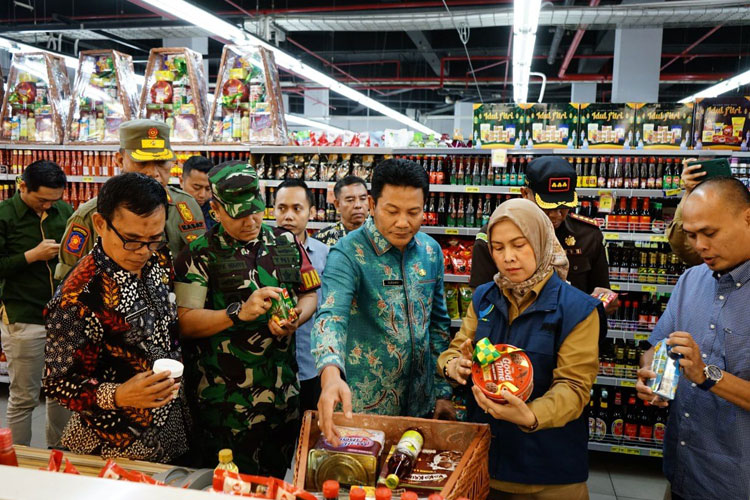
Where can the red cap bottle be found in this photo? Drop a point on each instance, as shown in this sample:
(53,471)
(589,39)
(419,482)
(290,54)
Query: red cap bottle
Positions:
(330,489)
(357,493)
(383,493)
(7,452)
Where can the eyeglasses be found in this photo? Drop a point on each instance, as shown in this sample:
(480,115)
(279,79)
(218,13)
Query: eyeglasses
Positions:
(133,245)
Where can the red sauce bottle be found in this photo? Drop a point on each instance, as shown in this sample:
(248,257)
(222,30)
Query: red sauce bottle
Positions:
(7,452)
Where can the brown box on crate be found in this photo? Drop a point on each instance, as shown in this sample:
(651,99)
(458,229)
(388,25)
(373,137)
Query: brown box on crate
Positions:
(471,477)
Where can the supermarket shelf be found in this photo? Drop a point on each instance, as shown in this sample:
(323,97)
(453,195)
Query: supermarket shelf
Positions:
(631,193)
(618,236)
(4,379)
(643,152)
(440,151)
(62,147)
(310,225)
(456,278)
(643,451)
(615,381)
(453,188)
(310,184)
(453,231)
(640,287)
(627,334)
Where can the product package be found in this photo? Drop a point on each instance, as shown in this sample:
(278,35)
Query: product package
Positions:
(283,310)
(175,92)
(451,301)
(430,472)
(353,462)
(553,125)
(113,471)
(500,125)
(723,124)
(104,95)
(35,106)
(667,368)
(244,485)
(499,366)
(606,297)
(248,106)
(604,125)
(665,126)
(57,463)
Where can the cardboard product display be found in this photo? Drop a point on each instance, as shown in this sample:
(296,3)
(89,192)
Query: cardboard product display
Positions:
(499,125)
(104,95)
(35,104)
(553,125)
(665,126)
(175,92)
(722,124)
(248,107)
(604,125)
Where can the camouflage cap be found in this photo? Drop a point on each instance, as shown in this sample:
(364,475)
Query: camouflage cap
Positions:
(146,140)
(235,185)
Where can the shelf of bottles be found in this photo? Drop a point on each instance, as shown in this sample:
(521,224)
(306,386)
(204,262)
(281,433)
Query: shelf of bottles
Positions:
(621,423)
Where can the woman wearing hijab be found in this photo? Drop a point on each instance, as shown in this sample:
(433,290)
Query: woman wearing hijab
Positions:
(539,448)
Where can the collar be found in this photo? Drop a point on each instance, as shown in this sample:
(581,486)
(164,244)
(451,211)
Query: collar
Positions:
(18,204)
(379,242)
(534,293)
(739,274)
(312,245)
(113,269)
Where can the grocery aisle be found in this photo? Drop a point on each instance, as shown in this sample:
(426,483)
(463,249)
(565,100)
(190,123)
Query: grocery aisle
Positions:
(611,477)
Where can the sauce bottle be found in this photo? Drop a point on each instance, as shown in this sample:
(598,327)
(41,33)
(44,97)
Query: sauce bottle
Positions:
(7,452)
(404,457)
(226,461)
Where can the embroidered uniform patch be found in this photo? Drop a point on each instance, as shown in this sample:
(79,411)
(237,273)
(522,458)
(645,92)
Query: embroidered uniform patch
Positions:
(77,239)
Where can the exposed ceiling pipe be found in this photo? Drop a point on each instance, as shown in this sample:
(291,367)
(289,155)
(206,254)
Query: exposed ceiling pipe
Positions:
(691,47)
(557,38)
(544,83)
(574,45)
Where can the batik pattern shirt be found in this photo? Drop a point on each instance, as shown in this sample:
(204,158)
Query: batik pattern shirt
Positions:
(383,322)
(104,326)
(242,382)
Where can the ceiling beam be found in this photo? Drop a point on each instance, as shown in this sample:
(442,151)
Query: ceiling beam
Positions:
(425,49)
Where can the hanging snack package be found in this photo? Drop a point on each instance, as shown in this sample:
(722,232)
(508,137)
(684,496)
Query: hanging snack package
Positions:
(35,107)
(260,167)
(328,168)
(297,168)
(175,92)
(451,301)
(465,293)
(104,96)
(311,170)
(344,167)
(368,163)
(247,106)
(281,169)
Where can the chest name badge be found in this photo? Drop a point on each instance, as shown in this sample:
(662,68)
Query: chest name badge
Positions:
(393,282)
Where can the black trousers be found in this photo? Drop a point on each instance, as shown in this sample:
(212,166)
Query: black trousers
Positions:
(309,393)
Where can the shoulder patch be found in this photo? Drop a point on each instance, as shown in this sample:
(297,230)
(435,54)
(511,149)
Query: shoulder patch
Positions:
(77,239)
(191,238)
(188,219)
(587,220)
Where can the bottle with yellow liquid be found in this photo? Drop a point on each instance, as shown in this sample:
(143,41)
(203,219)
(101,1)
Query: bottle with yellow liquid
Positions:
(226,461)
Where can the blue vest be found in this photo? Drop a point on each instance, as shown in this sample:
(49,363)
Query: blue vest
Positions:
(549,456)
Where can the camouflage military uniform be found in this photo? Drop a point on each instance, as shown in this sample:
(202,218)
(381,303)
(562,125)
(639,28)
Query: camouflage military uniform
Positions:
(184,224)
(332,234)
(242,382)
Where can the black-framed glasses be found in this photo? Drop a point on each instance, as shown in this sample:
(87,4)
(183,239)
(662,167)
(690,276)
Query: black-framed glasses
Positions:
(133,245)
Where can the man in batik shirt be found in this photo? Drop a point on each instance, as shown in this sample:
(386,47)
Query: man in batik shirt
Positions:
(112,317)
(241,372)
(383,321)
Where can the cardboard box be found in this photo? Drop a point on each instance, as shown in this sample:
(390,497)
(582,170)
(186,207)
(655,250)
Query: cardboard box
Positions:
(723,124)
(604,125)
(499,125)
(665,126)
(553,125)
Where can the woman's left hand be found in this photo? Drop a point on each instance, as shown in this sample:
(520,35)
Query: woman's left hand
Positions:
(515,411)
(286,330)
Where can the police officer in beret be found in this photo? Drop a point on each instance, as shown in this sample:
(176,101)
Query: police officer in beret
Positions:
(550,183)
(144,149)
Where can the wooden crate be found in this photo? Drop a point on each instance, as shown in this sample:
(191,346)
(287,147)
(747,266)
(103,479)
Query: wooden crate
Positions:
(471,477)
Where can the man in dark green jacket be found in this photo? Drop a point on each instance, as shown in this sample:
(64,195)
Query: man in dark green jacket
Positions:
(32,223)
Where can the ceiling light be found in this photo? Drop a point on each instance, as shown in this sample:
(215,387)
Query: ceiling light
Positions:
(525,22)
(227,32)
(298,120)
(720,88)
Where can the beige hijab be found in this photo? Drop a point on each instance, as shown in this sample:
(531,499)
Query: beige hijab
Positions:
(540,233)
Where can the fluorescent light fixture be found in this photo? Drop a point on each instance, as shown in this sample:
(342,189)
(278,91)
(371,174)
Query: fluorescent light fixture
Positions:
(227,32)
(298,120)
(720,88)
(525,22)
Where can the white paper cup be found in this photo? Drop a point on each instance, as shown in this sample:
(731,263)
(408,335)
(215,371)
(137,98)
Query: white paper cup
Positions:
(174,367)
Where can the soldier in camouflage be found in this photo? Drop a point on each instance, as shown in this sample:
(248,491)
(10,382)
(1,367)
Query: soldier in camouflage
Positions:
(240,368)
(144,149)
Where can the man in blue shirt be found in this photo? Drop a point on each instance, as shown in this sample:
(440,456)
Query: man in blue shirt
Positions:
(383,320)
(706,322)
(293,209)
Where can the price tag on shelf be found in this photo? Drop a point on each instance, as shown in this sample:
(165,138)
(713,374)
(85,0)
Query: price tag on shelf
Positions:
(641,336)
(656,453)
(515,190)
(659,237)
(499,158)
(615,287)
(471,189)
(615,449)
(87,179)
(451,231)
(629,451)
(627,383)
(611,236)
(606,202)
(648,288)
(672,192)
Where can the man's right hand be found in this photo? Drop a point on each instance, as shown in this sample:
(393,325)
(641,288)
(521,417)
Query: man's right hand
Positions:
(146,390)
(689,177)
(45,250)
(333,391)
(644,391)
(259,302)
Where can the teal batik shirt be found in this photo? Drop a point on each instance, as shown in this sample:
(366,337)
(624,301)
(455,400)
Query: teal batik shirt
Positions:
(383,322)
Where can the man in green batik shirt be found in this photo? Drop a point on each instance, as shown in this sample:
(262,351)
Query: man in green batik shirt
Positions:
(240,367)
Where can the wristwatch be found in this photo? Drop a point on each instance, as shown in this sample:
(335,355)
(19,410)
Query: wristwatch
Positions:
(233,311)
(713,374)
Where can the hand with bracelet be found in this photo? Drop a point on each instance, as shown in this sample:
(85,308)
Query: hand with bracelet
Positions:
(459,368)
